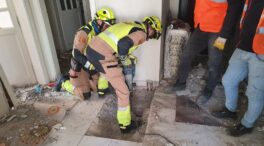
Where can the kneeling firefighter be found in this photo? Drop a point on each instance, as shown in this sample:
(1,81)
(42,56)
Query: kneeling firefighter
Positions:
(79,82)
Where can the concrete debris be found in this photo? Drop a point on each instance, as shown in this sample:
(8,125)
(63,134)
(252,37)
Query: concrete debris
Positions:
(175,41)
(260,129)
(24,116)
(9,138)
(11,118)
(35,135)
(59,126)
(32,94)
(55,112)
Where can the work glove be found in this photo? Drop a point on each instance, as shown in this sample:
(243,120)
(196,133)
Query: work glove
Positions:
(133,58)
(220,43)
(125,60)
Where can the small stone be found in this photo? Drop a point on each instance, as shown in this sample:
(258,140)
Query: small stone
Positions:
(9,138)
(24,116)
(11,118)
(260,129)
(57,126)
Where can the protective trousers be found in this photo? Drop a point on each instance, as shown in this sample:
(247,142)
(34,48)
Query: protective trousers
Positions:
(80,85)
(102,56)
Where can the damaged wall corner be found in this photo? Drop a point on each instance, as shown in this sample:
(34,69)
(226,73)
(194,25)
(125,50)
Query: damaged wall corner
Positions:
(175,41)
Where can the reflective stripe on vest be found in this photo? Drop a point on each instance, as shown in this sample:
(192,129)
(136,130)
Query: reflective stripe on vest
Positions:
(258,42)
(243,13)
(260,30)
(116,32)
(112,36)
(219,1)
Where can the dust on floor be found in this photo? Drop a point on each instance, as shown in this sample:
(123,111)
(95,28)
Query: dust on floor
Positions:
(24,126)
(106,124)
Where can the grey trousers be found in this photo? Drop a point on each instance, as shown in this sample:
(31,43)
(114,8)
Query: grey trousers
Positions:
(198,42)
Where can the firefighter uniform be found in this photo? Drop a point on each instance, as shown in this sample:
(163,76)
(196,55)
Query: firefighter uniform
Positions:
(113,45)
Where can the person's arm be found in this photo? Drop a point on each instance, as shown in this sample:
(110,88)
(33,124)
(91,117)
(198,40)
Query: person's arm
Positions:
(80,42)
(233,15)
(133,39)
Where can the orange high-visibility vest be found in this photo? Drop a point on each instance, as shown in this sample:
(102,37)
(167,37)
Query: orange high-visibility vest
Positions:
(210,14)
(258,41)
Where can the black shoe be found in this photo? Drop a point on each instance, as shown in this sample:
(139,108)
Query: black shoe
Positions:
(102,92)
(239,130)
(87,95)
(134,125)
(207,94)
(59,81)
(225,113)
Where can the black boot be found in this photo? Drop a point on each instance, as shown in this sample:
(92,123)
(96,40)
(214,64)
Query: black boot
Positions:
(239,130)
(134,125)
(206,95)
(178,86)
(87,95)
(59,81)
(225,113)
(102,92)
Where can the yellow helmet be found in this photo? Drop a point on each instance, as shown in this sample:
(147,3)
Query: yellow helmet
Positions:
(155,23)
(105,14)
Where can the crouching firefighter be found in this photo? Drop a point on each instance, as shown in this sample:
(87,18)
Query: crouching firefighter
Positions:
(78,82)
(105,50)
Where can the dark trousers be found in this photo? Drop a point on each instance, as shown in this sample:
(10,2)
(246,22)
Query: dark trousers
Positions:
(198,42)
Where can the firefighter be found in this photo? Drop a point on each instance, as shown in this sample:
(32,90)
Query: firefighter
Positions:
(79,82)
(113,45)
(246,62)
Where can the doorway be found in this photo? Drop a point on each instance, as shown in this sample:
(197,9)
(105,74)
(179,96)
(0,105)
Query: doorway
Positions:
(66,17)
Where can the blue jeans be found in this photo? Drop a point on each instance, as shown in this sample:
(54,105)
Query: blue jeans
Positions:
(242,65)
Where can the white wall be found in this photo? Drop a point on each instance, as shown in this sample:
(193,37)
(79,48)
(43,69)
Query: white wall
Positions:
(174,7)
(25,18)
(15,61)
(148,67)
(14,56)
(37,35)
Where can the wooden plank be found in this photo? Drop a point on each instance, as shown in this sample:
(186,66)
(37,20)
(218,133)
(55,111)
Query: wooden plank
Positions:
(4,107)
(8,88)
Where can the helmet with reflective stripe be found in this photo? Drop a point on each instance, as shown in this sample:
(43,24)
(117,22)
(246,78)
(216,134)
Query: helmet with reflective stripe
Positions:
(105,14)
(155,23)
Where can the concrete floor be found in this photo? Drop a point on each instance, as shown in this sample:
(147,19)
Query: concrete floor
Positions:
(76,123)
(162,128)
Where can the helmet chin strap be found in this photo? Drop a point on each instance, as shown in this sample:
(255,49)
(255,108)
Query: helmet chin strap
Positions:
(147,28)
(97,28)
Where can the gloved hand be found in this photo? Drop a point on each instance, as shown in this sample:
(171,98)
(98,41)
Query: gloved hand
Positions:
(220,43)
(133,58)
(126,61)
(73,74)
(75,65)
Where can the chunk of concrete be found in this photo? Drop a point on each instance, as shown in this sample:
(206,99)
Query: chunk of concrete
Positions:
(55,112)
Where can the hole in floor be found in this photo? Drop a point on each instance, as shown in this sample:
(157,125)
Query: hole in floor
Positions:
(106,124)
(187,111)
